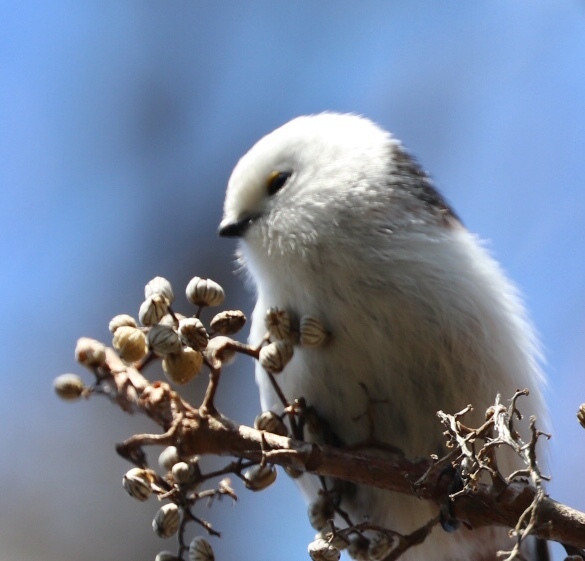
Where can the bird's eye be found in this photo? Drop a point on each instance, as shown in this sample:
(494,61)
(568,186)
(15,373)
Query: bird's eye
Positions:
(277,180)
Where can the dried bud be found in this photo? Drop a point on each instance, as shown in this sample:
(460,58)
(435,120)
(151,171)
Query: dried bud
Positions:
(277,323)
(137,483)
(153,309)
(90,353)
(119,321)
(130,343)
(338,541)
(259,477)
(68,386)
(186,473)
(218,353)
(159,285)
(200,550)
(312,333)
(166,556)
(166,521)
(172,320)
(358,548)
(320,511)
(193,333)
(181,472)
(270,422)
(168,458)
(275,356)
(292,472)
(163,340)
(322,550)
(380,546)
(228,322)
(225,487)
(581,415)
(183,366)
(204,292)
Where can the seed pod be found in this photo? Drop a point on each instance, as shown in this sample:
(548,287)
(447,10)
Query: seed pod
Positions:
(183,366)
(168,458)
(312,333)
(90,353)
(68,386)
(159,285)
(163,340)
(320,511)
(166,556)
(166,520)
(153,309)
(200,550)
(270,422)
(217,352)
(275,356)
(204,292)
(193,333)
(322,550)
(259,477)
(137,483)
(130,343)
(277,323)
(228,322)
(380,546)
(119,321)
(581,415)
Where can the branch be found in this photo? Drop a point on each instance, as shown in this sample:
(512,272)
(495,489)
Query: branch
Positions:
(205,431)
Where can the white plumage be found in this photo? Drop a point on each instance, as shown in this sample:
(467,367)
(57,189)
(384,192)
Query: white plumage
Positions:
(338,222)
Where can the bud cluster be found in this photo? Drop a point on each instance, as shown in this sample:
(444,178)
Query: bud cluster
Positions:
(184,345)
(181,342)
(182,476)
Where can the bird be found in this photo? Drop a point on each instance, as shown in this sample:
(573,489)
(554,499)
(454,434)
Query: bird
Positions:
(336,220)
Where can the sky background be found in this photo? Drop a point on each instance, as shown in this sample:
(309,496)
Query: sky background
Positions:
(120,122)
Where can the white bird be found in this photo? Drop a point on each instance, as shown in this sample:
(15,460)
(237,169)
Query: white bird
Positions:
(337,221)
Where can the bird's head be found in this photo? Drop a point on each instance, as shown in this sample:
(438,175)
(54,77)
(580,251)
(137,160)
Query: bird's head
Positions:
(294,175)
(322,186)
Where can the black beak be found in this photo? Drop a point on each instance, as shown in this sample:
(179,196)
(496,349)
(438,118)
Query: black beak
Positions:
(235,229)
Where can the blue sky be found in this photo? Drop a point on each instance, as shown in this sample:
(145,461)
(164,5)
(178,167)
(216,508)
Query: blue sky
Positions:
(119,125)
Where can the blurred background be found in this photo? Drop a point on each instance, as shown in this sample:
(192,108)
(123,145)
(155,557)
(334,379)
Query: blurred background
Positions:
(120,123)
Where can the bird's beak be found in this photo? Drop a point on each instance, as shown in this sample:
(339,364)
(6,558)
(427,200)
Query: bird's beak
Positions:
(235,228)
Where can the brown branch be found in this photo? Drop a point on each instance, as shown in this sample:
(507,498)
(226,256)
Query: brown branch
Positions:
(208,432)
(221,436)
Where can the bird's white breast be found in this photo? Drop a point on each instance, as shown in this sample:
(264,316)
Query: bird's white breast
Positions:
(429,324)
